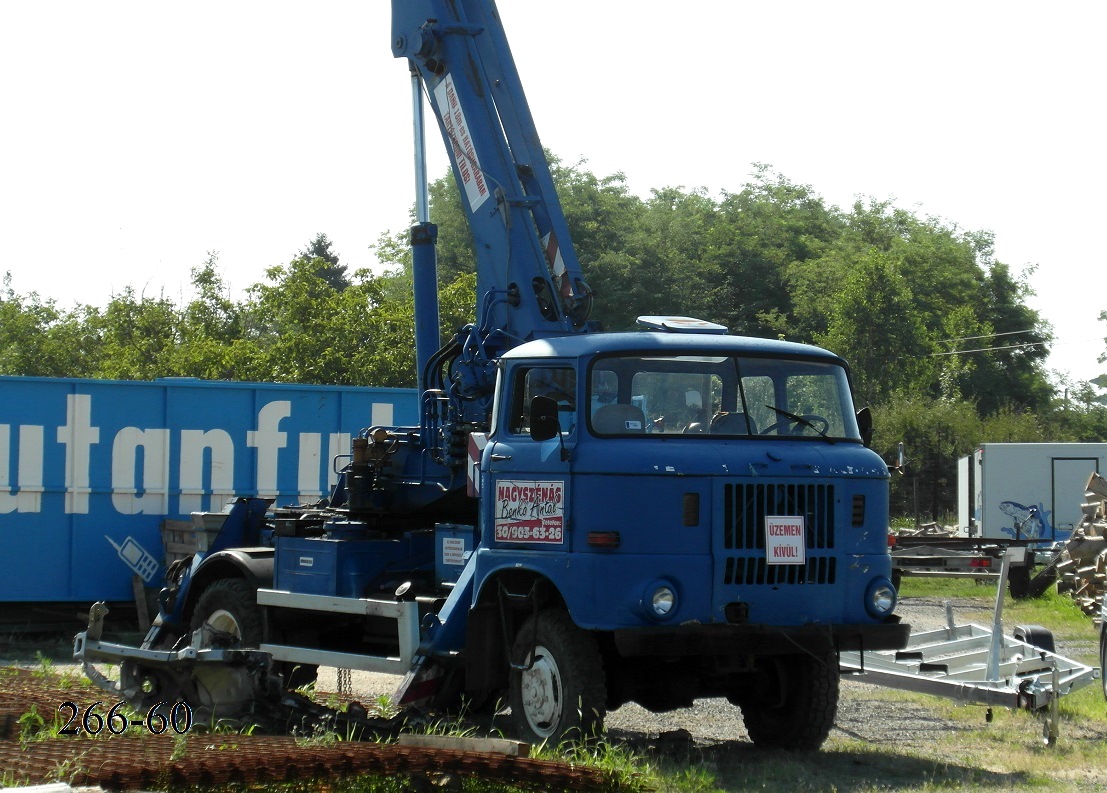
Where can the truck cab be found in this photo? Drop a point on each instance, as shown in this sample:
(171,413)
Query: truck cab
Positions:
(700,508)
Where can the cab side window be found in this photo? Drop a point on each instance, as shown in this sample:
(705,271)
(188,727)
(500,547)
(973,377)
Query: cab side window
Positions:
(558,383)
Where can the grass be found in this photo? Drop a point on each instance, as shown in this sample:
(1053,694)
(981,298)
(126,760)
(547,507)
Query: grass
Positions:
(1057,612)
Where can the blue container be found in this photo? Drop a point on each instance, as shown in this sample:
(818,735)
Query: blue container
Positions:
(89,469)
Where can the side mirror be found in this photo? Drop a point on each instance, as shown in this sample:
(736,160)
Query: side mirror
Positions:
(865,425)
(544,423)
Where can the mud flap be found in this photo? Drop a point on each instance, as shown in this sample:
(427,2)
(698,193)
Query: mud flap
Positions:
(422,684)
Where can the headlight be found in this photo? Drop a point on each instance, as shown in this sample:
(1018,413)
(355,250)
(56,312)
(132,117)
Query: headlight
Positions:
(880,598)
(660,601)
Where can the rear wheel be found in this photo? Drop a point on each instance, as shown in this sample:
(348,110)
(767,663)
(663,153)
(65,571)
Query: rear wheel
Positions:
(228,607)
(794,703)
(561,696)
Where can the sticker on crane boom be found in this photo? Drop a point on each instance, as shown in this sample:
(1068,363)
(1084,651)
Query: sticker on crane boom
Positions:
(530,511)
(463,151)
(784,539)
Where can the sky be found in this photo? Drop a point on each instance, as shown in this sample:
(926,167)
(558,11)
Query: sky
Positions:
(138,137)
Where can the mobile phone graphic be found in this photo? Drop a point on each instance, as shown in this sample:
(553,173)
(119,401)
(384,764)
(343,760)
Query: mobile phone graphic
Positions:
(136,557)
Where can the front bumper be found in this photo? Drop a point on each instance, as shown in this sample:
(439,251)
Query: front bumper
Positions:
(701,640)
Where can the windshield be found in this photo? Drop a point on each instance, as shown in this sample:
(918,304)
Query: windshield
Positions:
(720,395)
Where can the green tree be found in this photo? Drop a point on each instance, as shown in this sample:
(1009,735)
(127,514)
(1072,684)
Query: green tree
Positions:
(294,327)
(761,281)
(37,339)
(873,326)
(211,326)
(604,222)
(940,264)
(659,270)
(935,434)
(1014,372)
(918,306)
(138,337)
(388,356)
(963,336)
(1078,413)
(327,266)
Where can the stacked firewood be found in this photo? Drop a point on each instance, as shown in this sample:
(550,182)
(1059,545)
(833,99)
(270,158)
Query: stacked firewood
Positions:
(1082,567)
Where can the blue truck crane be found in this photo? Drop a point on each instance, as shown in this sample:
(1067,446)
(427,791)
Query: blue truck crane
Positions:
(581,519)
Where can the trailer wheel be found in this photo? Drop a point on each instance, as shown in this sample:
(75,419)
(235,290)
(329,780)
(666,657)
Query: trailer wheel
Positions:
(794,704)
(562,695)
(229,606)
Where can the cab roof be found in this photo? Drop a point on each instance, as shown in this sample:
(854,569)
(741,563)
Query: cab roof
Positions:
(583,345)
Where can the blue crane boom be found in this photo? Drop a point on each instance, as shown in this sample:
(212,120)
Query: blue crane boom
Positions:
(529,281)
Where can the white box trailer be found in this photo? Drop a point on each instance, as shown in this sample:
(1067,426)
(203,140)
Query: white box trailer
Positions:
(1025,491)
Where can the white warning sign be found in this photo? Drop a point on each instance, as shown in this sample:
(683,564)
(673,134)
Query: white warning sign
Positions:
(784,540)
(453,551)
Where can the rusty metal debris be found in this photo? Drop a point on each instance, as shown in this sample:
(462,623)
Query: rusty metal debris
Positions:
(144,761)
(24,689)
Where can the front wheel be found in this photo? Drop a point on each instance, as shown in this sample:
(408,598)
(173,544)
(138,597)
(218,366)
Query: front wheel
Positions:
(794,703)
(561,695)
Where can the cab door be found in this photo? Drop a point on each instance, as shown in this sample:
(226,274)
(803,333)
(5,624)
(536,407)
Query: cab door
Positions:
(529,482)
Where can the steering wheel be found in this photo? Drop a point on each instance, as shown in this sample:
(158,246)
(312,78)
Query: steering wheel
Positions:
(816,422)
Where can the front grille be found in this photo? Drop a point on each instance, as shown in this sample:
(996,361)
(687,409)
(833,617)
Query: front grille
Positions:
(745,507)
(748,571)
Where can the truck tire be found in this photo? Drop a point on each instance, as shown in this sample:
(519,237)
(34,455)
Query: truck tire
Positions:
(229,605)
(562,696)
(795,706)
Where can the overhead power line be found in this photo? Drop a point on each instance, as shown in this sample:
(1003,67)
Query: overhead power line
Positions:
(987,335)
(1027,346)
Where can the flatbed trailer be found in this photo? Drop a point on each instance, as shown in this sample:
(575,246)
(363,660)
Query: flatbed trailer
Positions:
(973,664)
